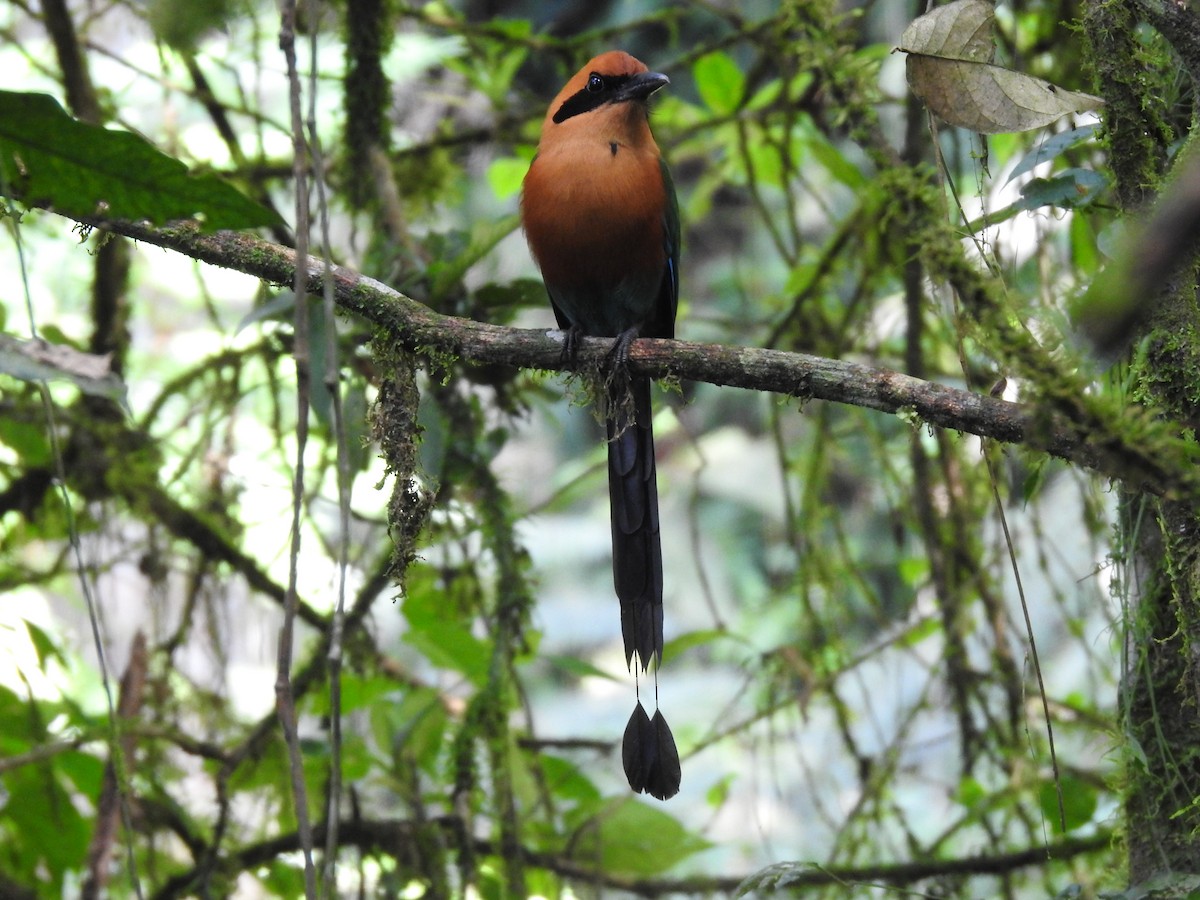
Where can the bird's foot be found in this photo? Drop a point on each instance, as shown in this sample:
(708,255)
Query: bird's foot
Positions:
(572,337)
(618,354)
(617,380)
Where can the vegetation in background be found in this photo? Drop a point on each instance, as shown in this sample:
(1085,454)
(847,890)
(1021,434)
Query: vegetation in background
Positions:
(918,640)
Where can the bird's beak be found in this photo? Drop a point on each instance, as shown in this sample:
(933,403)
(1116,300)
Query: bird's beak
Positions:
(642,85)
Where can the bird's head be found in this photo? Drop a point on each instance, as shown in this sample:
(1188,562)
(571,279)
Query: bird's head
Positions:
(611,87)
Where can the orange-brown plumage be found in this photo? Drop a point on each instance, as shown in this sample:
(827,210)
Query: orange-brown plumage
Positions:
(609,215)
(600,215)
(597,208)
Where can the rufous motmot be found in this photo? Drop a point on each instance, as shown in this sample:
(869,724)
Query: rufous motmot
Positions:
(602,221)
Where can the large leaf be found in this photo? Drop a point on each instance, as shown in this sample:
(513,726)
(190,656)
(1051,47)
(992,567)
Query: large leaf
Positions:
(949,68)
(436,631)
(42,361)
(45,831)
(719,82)
(1079,802)
(416,727)
(959,30)
(633,838)
(49,159)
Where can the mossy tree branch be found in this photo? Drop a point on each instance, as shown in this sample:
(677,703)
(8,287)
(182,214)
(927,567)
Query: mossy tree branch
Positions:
(1168,469)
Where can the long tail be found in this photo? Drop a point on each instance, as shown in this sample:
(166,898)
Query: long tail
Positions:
(648,750)
(633,499)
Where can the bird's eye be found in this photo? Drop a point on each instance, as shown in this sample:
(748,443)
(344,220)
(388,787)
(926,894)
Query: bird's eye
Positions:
(595,83)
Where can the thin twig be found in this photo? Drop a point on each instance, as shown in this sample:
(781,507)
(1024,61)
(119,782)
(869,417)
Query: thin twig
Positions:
(108,807)
(333,386)
(285,702)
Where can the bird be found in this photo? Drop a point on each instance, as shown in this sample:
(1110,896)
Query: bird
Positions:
(602,221)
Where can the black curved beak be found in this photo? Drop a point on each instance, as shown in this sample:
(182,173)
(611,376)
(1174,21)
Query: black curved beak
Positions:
(642,85)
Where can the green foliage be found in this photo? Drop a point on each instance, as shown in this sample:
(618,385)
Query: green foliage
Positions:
(847,666)
(411,731)
(719,82)
(436,631)
(49,159)
(46,836)
(43,832)
(495,59)
(1068,189)
(1079,802)
(446,273)
(626,837)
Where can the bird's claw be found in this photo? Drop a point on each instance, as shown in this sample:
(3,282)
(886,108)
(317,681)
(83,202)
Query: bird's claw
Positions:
(618,354)
(571,340)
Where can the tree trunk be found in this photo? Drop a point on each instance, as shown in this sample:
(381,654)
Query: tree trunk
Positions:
(1158,540)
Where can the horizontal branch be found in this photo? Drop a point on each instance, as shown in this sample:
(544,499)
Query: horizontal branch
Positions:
(401,838)
(794,374)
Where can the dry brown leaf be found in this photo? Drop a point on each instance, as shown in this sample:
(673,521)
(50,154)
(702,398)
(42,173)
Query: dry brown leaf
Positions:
(958,30)
(949,67)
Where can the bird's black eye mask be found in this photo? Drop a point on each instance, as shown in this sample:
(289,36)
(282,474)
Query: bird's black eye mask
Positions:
(600,89)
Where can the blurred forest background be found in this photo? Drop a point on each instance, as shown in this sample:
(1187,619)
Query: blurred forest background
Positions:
(852,597)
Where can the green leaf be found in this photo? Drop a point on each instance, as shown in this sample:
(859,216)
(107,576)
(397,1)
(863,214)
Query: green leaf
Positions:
(1034,480)
(506,175)
(835,161)
(765,95)
(1051,148)
(1079,802)
(971,793)
(1070,189)
(913,570)
(357,692)
(492,65)
(482,239)
(182,25)
(268,770)
(443,638)
(16,728)
(919,632)
(45,647)
(719,82)
(766,162)
(85,771)
(717,795)
(274,309)
(49,159)
(567,780)
(412,728)
(1084,252)
(28,439)
(282,877)
(634,838)
(775,879)
(356,759)
(578,668)
(699,638)
(48,834)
